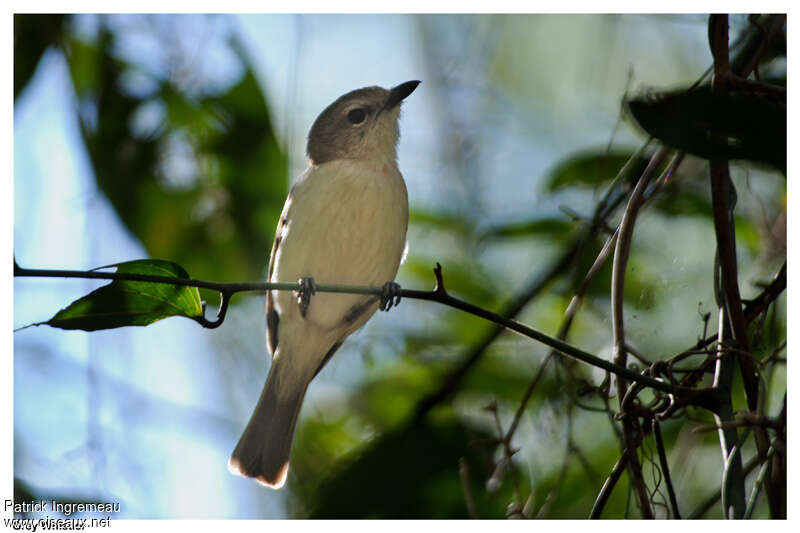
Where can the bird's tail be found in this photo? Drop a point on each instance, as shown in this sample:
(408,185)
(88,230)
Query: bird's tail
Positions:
(263,450)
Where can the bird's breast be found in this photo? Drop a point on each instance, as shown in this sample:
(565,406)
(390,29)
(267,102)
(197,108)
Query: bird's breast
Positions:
(346,225)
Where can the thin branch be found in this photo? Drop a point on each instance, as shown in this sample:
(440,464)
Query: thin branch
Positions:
(726,253)
(762,474)
(662,458)
(732,490)
(574,304)
(463,474)
(536,286)
(608,486)
(438,294)
(621,254)
(558,268)
(752,310)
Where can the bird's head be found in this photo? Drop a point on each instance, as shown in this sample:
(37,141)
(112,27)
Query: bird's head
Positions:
(361,124)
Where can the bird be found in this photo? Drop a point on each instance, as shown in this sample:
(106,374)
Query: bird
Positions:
(344,222)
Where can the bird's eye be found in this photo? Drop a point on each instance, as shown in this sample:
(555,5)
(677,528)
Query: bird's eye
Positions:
(356,116)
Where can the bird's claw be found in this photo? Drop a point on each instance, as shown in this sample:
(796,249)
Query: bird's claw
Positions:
(390,295)
(307,287)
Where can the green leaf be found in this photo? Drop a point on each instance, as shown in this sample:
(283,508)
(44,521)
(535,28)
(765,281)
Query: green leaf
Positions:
(132,303)
(737,124)
(590,169)
(552,227)
(208,180)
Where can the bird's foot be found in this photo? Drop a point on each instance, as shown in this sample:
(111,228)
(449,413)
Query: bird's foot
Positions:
(390,295)
(307,288)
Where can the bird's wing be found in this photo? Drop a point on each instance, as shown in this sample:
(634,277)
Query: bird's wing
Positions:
(272,314)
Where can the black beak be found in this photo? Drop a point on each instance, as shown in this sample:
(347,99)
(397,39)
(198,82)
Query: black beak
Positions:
(399,93)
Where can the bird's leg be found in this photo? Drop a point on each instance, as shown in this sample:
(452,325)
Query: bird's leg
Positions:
(307,288)
(390,295)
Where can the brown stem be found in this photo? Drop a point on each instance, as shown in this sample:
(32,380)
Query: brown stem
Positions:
(621,254)
(608,486)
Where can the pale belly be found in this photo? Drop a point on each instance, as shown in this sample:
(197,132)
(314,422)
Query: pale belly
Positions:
(347,226)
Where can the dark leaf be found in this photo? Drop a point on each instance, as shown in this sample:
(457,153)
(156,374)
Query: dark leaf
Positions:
(132,303)
(33,35)
(737,124)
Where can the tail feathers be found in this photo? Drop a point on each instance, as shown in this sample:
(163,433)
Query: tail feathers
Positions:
(263,450)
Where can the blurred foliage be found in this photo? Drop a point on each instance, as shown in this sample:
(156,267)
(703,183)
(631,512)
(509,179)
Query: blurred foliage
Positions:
(419,476)
(374,456)
(373,480)
(32,37)
(188,174)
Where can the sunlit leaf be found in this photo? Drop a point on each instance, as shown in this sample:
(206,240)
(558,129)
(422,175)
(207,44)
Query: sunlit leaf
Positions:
(132,303)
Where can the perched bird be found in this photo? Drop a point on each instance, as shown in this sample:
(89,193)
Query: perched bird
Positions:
(344,222)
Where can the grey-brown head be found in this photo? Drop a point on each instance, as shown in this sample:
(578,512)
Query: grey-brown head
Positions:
(362,124)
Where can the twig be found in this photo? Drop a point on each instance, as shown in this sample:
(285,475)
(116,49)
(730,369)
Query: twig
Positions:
(604,207)
(526,397)
(752,310)
(537,284)
(726,254)
(438,294)
(733,496)
(608,486)
(662,458)
(621,254)
(723,217)
(463,473)
(751,504)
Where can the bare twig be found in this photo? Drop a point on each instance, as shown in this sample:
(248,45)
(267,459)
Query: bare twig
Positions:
(662,458)
(608,486)
(723,218)
(463,473)
(621,254)
(762,474)
(438,294)
(559,268)
(733,477)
